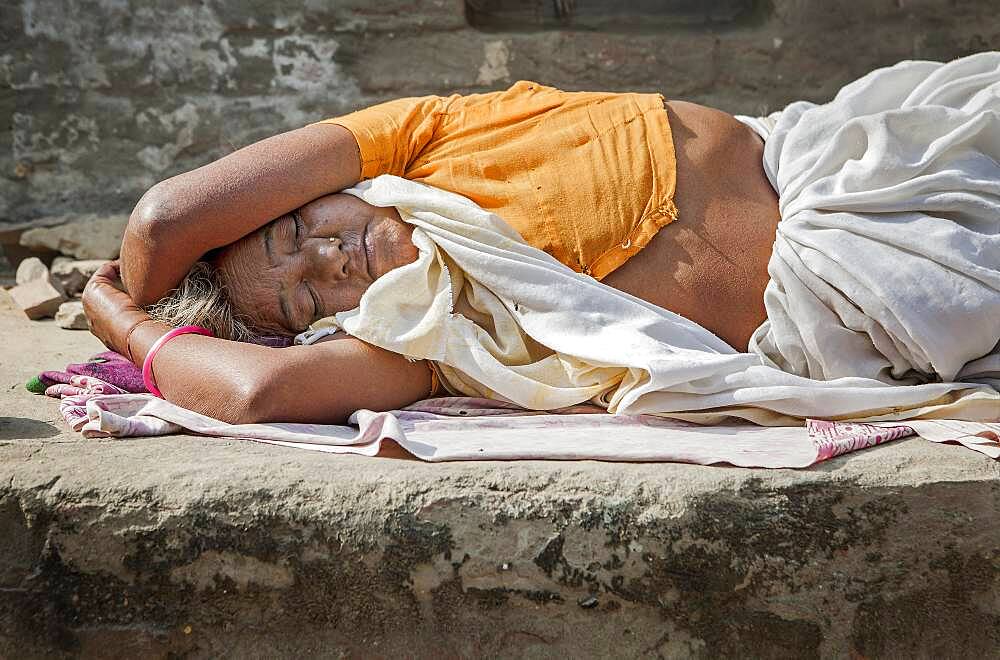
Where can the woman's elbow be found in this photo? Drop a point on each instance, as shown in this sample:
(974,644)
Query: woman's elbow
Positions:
(263,398)
(152,213)
(248,402)
(147,237)
(232,406)
(244,416)
(277,399)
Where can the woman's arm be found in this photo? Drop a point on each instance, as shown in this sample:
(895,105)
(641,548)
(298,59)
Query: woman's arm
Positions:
(244,383)
(180,219)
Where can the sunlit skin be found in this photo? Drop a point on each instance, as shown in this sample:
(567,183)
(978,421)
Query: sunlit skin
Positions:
(313,262)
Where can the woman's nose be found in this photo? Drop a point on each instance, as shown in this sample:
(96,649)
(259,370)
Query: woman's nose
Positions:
(328,259)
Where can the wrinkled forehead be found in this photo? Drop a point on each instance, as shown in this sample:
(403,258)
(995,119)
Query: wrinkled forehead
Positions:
(251,282)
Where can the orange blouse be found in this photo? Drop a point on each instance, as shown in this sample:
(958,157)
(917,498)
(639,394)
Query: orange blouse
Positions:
(588,177)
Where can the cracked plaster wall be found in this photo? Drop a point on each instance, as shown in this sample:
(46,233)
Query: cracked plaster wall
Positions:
(102,98)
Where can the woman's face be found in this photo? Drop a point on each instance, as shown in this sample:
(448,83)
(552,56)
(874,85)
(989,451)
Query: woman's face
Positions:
(313,262)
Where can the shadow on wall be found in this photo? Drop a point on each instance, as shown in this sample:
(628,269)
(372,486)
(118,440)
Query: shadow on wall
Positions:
(632,16)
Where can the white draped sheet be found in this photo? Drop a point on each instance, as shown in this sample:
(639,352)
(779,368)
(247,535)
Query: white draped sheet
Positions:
(884,300)
(886,262)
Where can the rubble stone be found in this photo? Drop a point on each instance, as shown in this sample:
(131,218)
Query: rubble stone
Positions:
(31,269)
(71,317)
(37,298)
(85,236)
(73,274)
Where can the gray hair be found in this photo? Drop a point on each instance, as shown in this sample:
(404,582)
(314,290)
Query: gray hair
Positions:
(201,299)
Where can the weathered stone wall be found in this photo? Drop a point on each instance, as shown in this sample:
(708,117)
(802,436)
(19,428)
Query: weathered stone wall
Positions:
(102,98)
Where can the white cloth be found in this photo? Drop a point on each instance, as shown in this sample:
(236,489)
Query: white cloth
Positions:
(886,262)
(762,126)
(884,279)
(461,429)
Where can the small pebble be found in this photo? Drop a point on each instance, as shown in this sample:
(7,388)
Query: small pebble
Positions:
(71,316)
(73,274)
(31,269)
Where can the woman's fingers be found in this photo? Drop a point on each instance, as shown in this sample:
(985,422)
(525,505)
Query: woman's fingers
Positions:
(109,309)
(107,271)
(107,275)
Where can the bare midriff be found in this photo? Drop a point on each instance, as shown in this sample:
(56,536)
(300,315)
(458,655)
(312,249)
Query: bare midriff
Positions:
(710,265)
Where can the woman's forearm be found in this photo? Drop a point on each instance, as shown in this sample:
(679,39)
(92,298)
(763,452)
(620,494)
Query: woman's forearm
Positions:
(180,219)
(245,383)
(211,376)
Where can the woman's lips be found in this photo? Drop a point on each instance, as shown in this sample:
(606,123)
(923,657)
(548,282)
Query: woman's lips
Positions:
(366,246)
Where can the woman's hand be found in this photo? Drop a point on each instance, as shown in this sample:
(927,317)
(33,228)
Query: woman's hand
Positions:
(110,311)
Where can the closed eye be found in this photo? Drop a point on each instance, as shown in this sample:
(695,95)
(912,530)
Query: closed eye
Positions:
(315,299)
(299,226)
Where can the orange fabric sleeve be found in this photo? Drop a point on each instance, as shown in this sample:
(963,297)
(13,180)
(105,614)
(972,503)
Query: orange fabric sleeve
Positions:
(392,134)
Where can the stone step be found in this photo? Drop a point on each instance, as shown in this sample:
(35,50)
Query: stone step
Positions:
(203,548)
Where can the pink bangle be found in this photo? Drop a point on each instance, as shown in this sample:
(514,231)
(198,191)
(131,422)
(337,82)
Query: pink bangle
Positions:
(147,364)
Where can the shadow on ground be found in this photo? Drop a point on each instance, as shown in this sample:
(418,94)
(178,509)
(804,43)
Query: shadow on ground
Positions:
(23,428)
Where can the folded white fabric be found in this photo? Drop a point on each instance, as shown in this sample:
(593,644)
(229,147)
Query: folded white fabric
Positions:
(886,262)
(884,279)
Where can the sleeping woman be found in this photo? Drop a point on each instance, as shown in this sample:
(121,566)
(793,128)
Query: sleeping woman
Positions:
(860,269)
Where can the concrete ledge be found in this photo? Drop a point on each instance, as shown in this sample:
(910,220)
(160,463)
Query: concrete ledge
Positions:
(206,548)
(187,545)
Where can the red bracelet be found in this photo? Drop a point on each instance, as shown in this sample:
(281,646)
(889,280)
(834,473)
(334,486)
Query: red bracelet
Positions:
(147,364)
